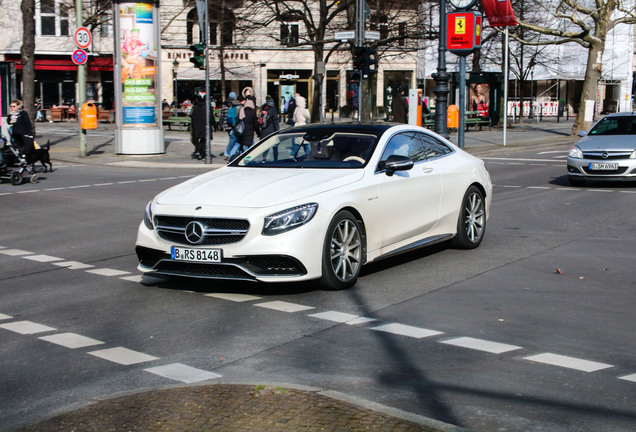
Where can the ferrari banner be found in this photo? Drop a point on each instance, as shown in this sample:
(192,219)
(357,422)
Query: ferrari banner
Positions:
(499,13)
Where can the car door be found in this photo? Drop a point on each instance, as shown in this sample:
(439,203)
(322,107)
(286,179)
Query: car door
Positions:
(409,200)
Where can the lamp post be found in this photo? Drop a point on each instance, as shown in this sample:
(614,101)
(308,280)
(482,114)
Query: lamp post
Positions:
(175,67)
(441,77)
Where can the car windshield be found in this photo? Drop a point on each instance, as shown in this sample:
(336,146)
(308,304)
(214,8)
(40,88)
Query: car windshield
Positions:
(623,125)
(303,150)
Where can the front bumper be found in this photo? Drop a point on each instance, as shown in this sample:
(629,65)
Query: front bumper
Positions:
(581,168)
(249,268)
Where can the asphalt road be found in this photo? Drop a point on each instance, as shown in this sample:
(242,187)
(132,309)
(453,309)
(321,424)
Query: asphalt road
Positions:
(533,331)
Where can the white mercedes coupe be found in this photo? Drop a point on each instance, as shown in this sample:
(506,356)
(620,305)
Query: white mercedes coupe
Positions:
(317,202)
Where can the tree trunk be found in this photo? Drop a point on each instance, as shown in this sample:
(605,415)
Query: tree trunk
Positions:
(27,54)
(590,86)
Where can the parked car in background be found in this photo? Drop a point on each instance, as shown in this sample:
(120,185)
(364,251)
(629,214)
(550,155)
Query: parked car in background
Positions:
(607,152)
(318,202)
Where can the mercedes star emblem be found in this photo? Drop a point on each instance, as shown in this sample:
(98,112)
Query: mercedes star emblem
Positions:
(194,232)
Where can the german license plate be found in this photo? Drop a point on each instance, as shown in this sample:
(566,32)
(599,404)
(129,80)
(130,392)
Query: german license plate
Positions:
(197,255)
(603,166)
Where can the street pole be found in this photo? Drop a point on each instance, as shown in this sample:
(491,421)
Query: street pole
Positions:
(208,99)
(441,77)
(461,131)
(81,83)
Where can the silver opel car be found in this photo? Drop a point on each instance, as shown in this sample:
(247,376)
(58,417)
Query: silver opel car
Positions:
(606,152)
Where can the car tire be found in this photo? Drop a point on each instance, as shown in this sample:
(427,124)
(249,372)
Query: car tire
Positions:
(342,252)
(471,223)
(576,181)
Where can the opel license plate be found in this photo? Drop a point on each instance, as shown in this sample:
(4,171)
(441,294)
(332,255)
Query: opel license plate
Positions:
(197,255)
(603,166)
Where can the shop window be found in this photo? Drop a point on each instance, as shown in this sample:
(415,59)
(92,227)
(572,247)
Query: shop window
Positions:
(289,34)
(52,17)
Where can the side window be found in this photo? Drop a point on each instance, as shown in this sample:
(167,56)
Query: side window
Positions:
(432,147)
(400,144)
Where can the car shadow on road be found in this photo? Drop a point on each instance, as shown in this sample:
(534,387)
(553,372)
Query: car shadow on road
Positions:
(590,184)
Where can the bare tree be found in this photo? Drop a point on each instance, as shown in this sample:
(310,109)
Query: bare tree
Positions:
(585,22)
(27,54)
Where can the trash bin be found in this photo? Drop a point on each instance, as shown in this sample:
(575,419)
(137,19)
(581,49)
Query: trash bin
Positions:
(88,116)
(452,117)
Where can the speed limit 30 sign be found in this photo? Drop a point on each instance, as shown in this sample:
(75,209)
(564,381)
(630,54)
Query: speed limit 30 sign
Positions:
(83,37)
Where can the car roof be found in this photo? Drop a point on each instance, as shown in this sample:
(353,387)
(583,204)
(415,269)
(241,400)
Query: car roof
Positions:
(322,129)
(622,114)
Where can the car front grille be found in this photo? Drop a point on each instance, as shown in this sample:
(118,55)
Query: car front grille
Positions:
(606,156)
(218,231)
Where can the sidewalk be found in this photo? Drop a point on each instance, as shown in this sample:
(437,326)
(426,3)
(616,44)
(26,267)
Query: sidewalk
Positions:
(64,139)
(240,407)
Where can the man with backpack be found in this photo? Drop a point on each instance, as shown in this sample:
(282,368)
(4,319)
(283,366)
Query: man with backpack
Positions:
(268,118)
(229,117)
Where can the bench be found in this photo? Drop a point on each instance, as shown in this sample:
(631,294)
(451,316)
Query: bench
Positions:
(473,118)
(175,120)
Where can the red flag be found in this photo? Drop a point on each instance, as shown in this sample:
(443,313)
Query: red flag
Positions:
(499,13)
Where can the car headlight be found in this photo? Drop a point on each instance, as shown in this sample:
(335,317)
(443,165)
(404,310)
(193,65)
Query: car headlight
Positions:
(633,155)
(575,152)
(148,216)
(289,219)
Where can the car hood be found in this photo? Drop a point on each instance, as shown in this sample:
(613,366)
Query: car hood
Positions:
(256,187)
(607,143)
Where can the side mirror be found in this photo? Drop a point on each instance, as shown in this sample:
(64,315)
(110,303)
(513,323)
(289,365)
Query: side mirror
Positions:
(397,163)
(582,133)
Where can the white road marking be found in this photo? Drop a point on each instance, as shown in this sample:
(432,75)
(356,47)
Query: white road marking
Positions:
(284,306)
(568,362)
(239,298)
(481,345)
(5,317)
(342,317)
(15,252)
(406,330)
(518,159)
(123,356)
(42,258)
(26,327)
(71,340)
(107,272)
(135,278)
(631,377)
(73,265)
(183,373)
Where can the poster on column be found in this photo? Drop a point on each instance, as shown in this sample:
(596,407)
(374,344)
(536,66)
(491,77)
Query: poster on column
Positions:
(138,61)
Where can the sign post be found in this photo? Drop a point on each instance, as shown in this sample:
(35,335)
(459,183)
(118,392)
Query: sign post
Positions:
(464,37)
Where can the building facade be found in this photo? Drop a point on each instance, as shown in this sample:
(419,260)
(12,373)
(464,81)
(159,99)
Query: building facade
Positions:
(278,60)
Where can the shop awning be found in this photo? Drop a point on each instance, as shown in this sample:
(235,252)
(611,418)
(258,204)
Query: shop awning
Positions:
(61,63)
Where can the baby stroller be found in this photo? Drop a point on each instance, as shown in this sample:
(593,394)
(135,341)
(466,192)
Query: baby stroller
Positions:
(14,167)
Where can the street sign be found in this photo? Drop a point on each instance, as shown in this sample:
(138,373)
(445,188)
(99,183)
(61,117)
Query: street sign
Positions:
(345,35)
(372,35)
(83,37)
(79,57)
(463,32)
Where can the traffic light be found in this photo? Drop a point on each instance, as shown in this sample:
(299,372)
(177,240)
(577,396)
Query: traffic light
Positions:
(369,60)
(358,58)
(199,55)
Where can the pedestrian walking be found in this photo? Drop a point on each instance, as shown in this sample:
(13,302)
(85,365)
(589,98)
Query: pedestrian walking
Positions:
(250,127)
(301,118)
(268,117)
(198,121)
(399,106)
(21,127)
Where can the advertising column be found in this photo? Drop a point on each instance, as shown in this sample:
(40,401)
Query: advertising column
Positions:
(137,97)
